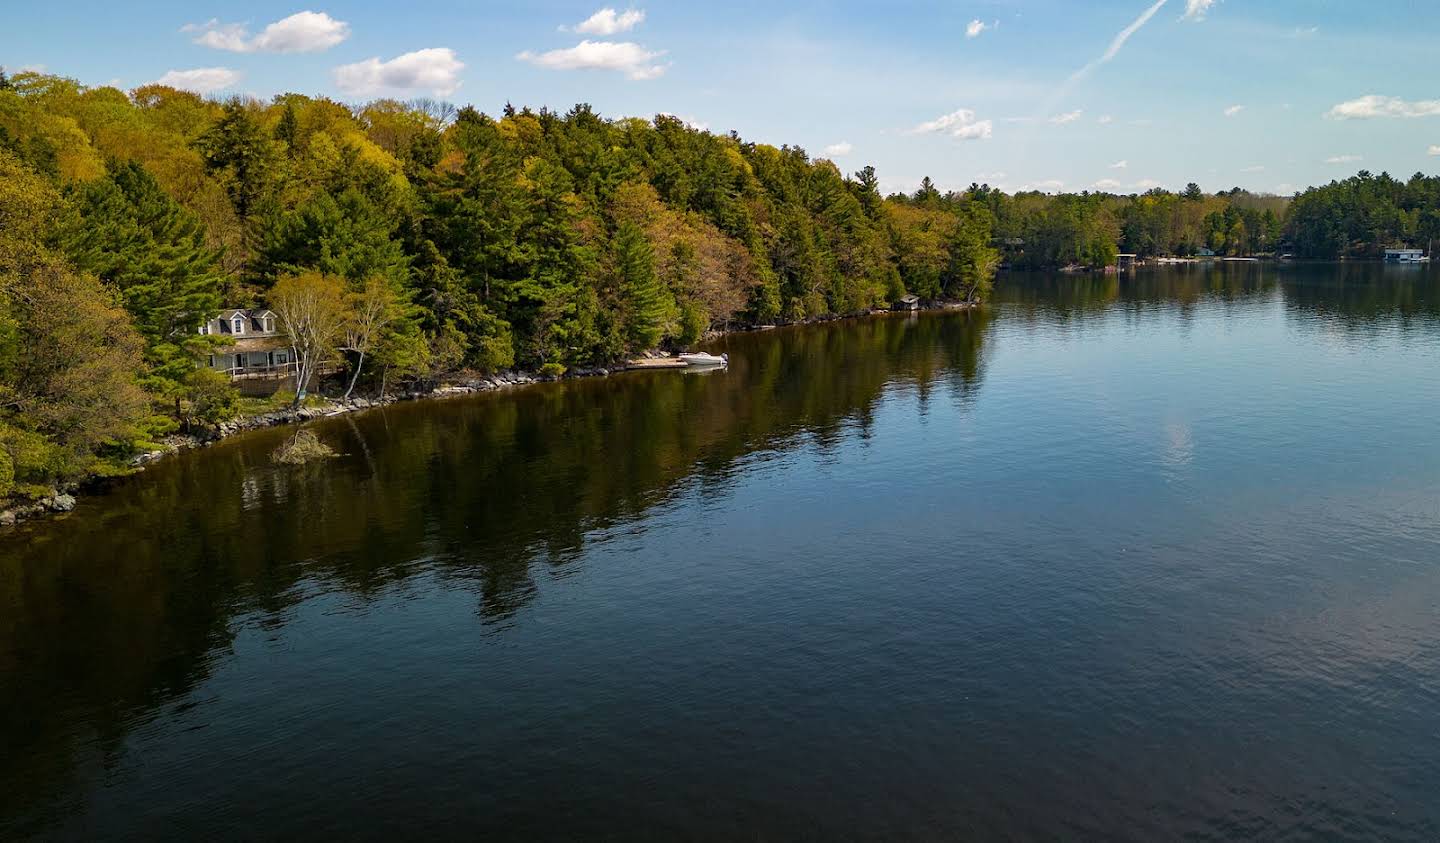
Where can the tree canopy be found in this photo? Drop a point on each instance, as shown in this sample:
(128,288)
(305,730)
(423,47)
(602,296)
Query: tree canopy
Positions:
(533,238)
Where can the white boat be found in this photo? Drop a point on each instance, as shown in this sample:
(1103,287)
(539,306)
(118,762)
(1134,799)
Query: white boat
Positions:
(700,358)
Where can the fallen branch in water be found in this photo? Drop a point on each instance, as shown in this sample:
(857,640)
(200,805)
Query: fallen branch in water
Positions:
(302,448)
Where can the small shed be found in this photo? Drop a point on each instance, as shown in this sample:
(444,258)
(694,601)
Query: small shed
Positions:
(1126,262)
(910,302)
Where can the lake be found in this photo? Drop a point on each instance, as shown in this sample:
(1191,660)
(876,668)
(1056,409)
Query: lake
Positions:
(1122,557)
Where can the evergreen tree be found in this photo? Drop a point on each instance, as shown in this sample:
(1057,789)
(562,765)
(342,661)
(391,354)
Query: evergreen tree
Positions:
(241,156)
(127,231)
(287,131)
(649,307)
(550,302)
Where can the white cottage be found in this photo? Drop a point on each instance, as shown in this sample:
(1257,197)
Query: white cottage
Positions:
(257,347)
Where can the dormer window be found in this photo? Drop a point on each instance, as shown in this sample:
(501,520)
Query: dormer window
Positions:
(269,324)
(237,325)
(204,327)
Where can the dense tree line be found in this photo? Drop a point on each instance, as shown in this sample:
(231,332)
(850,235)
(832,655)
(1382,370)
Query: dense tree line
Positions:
(1363,215)
(412,239)
(415,240)
(1359,217)
(1038,230)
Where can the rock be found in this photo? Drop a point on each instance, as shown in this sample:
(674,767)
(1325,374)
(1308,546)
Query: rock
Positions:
(62,503)
(8,518)
(147,457)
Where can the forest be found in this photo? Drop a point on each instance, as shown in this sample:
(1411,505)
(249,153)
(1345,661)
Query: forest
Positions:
(424,240)
(1358,217)
(444,240)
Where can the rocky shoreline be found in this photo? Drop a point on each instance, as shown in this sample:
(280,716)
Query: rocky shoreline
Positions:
(62,500)
(339,407)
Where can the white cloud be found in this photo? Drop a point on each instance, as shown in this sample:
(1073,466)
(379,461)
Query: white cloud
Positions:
(302,32)
(201,80)
(1046,186)
(1435,149)
(1374,105)
(608,22)
(1256,168)
(977,26)
(435,69)
(1344,159)
(960,124)
(1304,31)
(633,60)
(1067,117)
(1234,110)
(693,122)
(220,36)
(1120,165)
(839,149)
(1147,184)
(1107,185)
(1197,9)
(1105,120)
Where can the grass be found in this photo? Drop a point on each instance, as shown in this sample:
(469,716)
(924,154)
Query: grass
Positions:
(279,401)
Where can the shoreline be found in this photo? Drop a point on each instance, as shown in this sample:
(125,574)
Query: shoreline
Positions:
(63,499)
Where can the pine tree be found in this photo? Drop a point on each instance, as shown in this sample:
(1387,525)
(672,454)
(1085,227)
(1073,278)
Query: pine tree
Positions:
(287,131)
(127,231)
(238,151)
(648,305)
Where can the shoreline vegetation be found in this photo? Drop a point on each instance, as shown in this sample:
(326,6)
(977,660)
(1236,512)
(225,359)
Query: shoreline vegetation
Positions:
(63,499)
(404,245)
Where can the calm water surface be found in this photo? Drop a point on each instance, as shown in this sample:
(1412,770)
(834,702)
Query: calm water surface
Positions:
(1126,558)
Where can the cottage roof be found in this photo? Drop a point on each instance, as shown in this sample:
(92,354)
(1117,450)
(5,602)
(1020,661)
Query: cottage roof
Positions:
(247,344)
(254,318)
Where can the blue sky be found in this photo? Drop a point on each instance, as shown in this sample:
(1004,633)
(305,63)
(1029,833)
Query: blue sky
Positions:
(1119,94)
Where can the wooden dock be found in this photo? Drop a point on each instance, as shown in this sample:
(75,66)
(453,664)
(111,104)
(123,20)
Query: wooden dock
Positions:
(656,363)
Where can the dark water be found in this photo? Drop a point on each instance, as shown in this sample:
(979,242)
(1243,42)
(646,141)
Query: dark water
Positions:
(1140,558)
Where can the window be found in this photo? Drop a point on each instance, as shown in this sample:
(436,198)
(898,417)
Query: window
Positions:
(204,327)
(237,326)
(269,324)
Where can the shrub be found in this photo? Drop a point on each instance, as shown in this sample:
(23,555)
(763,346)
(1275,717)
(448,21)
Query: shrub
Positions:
(301,448)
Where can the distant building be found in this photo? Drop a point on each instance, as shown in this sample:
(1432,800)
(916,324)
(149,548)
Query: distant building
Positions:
(1126,262)
(256,347)
(1405,255)
(1205,252)
(911,302)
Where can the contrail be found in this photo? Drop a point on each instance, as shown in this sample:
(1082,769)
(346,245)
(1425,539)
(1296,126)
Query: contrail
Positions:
(1127,32)
(1110,53)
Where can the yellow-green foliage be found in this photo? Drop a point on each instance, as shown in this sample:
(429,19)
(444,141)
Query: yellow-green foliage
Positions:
(301,448)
